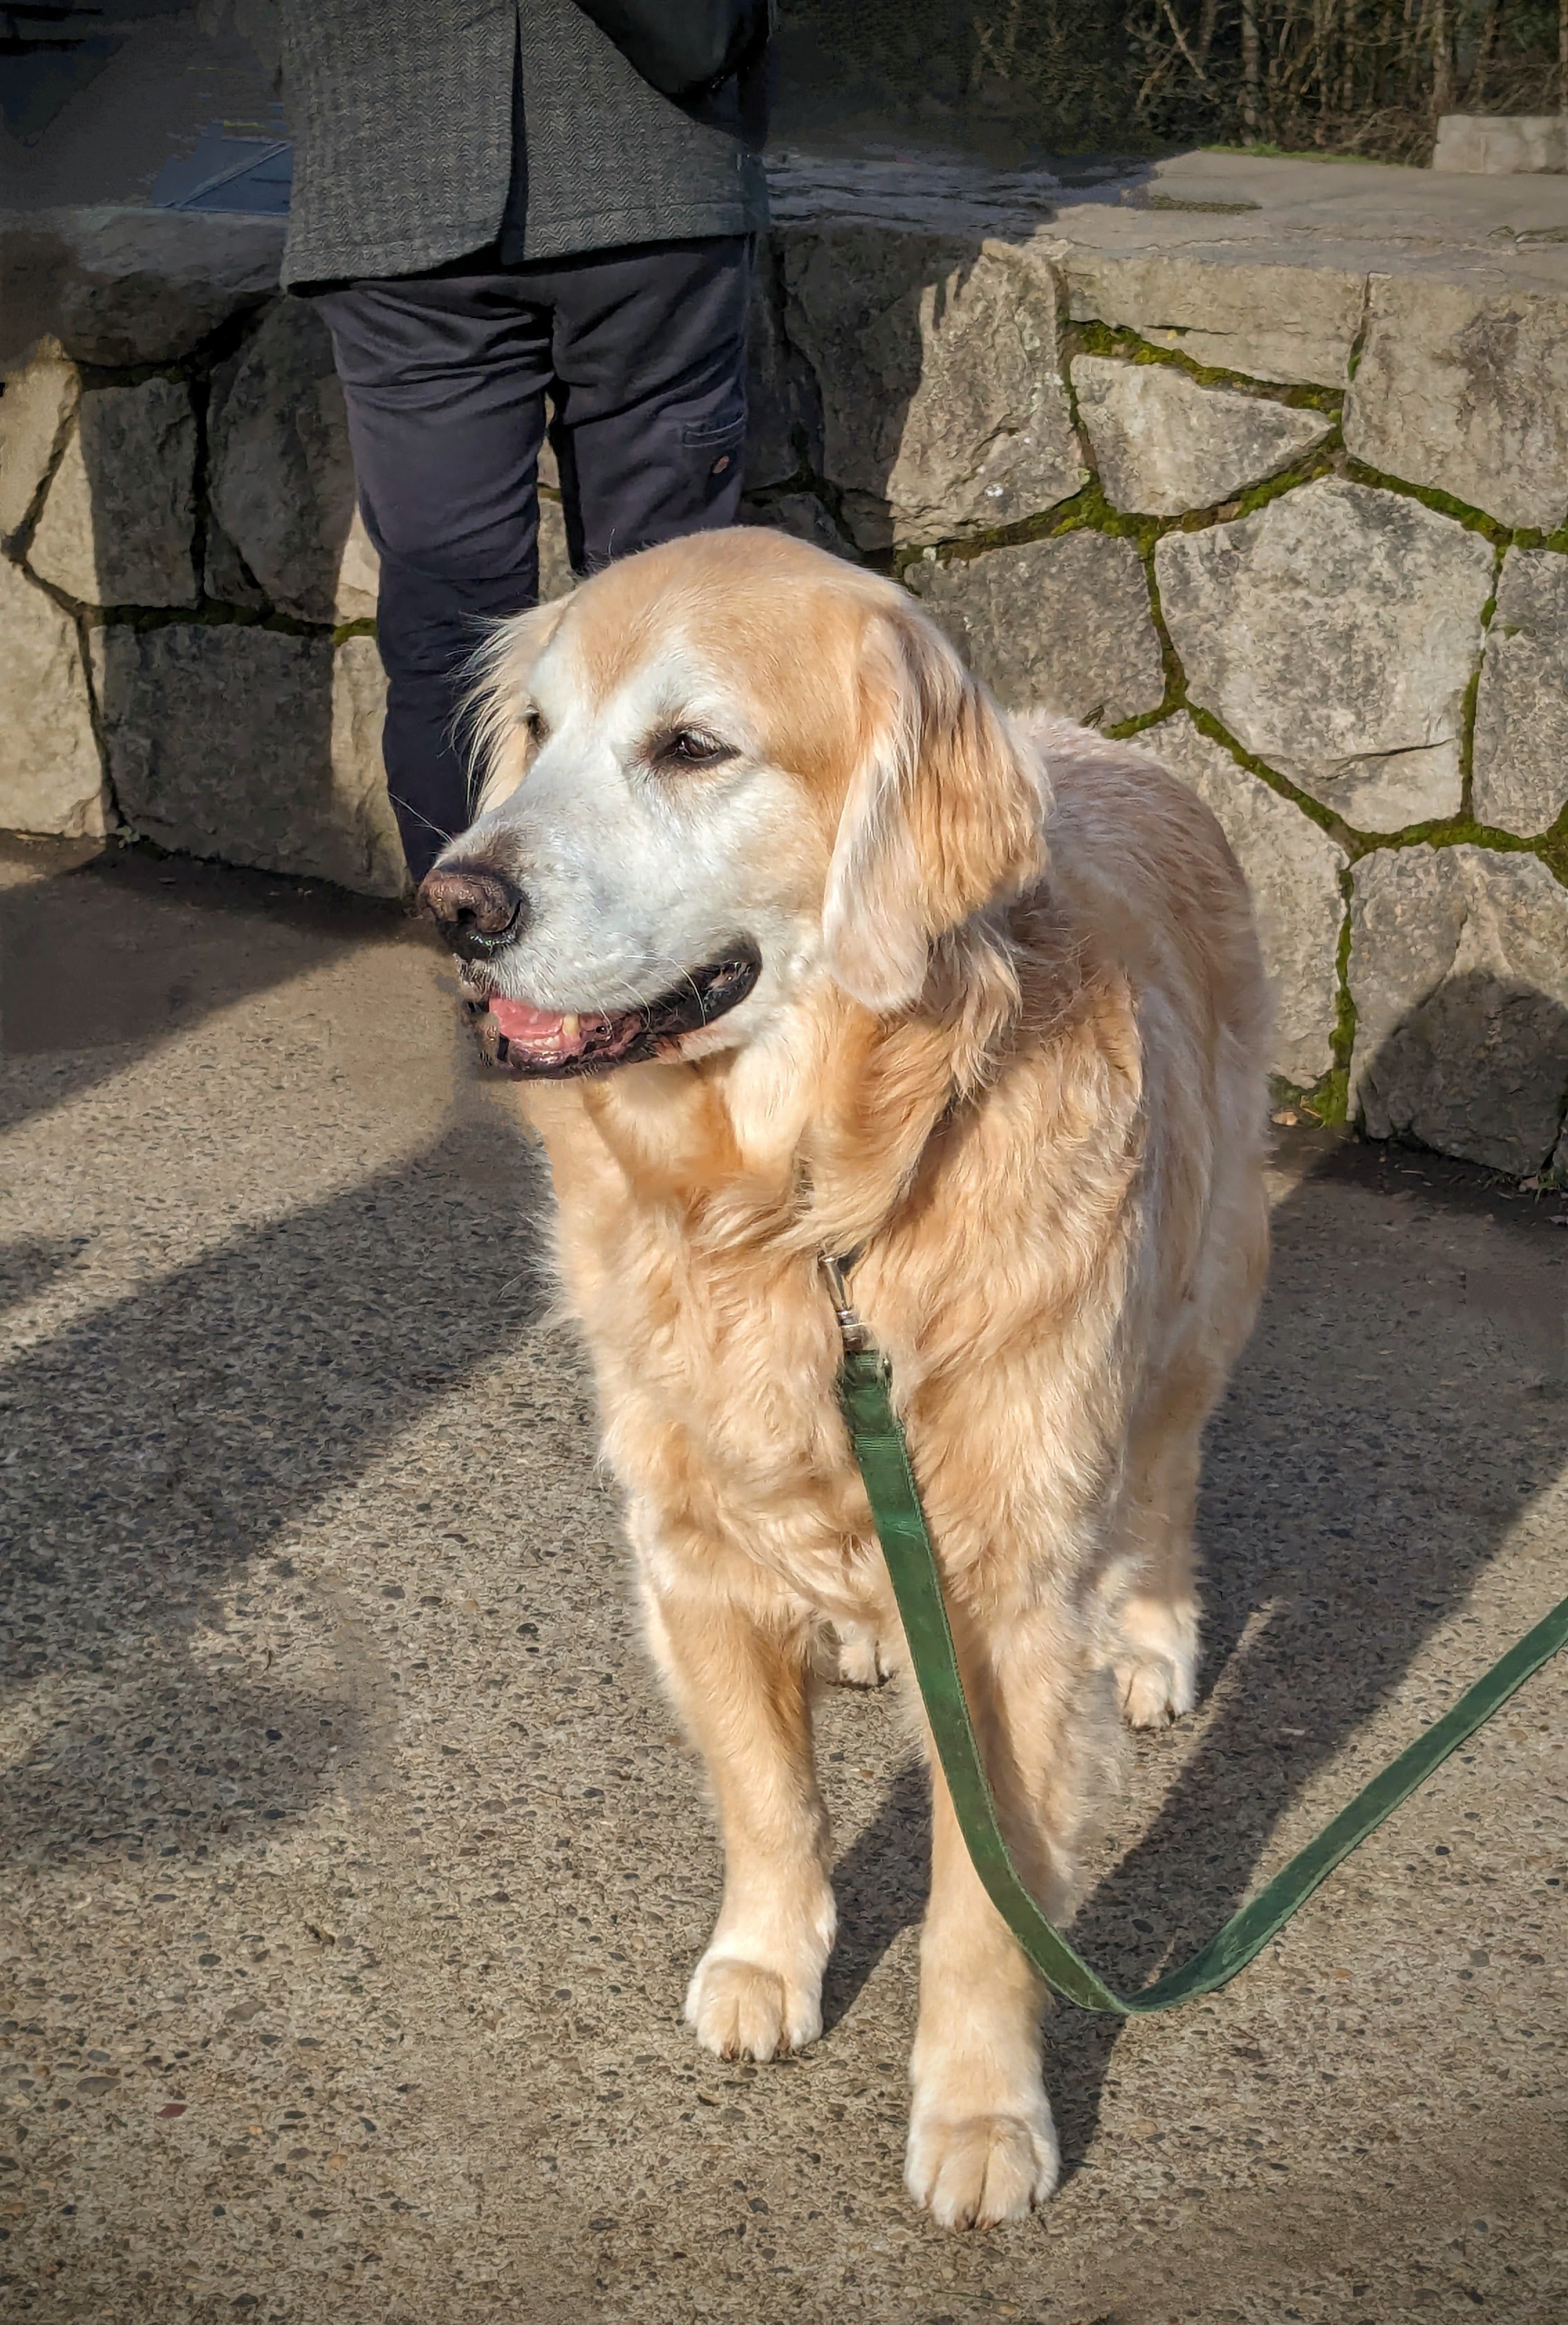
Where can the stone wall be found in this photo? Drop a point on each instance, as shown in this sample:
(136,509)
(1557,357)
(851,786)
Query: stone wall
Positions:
(1297,523)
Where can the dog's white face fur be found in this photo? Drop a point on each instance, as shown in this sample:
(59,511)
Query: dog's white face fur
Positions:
(671,795)
(650,833)
(738,771)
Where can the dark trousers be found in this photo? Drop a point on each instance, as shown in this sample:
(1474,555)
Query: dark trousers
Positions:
(642,353)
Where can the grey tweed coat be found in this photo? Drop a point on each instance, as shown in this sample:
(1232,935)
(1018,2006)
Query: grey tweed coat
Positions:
(409,115)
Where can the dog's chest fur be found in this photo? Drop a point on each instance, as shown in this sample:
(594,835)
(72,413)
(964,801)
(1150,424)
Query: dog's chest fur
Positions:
(716,1361)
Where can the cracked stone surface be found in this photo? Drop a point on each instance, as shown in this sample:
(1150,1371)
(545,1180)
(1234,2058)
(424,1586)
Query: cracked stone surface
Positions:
(1334,634)
(1520,766)
(118,522)
(354,1866)
(943,412)
(1464,386)
(1163,444)
(36,411)
(1295,324)
(1293,870)
(52,775)
(1062,623)
(282,478)
(251,745)
(1459,972)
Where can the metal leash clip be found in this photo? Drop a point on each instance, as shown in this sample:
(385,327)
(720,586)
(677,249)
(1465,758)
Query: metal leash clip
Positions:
(852,1331)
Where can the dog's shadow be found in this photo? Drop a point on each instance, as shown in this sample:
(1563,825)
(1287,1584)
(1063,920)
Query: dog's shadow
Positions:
(1382,1433)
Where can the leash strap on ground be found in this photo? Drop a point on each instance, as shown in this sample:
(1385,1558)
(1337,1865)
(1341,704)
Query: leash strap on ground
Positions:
(865,1390)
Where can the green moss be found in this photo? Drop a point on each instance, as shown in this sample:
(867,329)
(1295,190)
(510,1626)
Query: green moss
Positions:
(211,614)
(1474,520)
(1088,507)
(1175,677)
(1114,339)
(1327,1101)
(361,629)
(1322,460)
(1125,728)
(1335,826)
(1464,831)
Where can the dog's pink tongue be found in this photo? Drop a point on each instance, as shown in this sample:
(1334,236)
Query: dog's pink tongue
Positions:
(519,1022)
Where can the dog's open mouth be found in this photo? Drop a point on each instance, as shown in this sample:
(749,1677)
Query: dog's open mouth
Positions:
(549,1043)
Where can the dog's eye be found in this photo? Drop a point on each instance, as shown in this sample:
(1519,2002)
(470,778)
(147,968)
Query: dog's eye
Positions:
(534,727)
(689,747)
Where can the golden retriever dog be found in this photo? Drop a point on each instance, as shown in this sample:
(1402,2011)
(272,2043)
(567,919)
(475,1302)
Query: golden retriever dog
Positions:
(799,946)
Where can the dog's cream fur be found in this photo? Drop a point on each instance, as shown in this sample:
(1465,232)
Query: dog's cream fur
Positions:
(1007,1038)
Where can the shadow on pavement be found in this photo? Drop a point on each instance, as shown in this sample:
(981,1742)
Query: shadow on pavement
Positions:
(158,1445)
(122,949)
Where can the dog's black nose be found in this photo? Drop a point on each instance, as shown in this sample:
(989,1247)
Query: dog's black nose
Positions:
(477,908)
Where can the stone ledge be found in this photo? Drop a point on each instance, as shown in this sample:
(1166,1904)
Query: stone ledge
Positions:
(121,287)
(1501,144)
(1463,386)
(283,477)
(118,521)
(944,409)
(1163,444)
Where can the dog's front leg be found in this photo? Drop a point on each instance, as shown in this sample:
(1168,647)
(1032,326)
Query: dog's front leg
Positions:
(741,1684)
(983,2147)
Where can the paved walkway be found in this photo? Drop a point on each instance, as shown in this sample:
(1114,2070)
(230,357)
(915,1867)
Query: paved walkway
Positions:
(353,1869)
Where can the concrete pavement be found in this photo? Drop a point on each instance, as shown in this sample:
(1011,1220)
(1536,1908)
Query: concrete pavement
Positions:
(351,1868)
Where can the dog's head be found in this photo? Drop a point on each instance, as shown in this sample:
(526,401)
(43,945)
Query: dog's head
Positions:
(720,770)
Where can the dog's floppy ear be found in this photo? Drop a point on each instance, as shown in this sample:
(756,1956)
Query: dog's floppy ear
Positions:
(944,814)
(490,721)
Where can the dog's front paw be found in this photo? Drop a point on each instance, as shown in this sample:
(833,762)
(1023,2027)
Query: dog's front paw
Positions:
(972,2172)
(745,2010)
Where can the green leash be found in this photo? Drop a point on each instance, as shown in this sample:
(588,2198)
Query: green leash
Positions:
(865,1390)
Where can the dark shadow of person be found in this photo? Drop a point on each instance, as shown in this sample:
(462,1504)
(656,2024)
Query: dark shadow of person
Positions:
(104,957)
(158,1445)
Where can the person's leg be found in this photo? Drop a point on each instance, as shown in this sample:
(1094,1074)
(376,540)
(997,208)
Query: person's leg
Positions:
(650,426)
(443,376)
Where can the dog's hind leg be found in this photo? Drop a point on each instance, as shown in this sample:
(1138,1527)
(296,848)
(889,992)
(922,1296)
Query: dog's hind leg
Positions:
(742,1686)
(860,1658)
(1151,1590)
(1151,1595)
